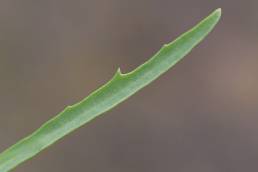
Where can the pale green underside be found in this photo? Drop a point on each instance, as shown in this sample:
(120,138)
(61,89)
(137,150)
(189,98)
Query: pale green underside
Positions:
(119,88)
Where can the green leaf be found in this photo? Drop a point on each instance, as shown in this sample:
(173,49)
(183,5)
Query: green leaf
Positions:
(119,88)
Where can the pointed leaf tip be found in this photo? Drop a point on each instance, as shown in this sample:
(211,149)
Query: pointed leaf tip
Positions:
(219,10)
(217,13)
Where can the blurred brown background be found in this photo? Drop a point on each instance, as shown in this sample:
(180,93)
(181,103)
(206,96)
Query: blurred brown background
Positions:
(201,116)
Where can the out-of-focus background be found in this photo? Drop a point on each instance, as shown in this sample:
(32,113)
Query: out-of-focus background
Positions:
(201,116)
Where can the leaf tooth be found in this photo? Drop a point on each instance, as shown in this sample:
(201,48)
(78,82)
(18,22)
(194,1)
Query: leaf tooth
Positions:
(119,71)
(118,74)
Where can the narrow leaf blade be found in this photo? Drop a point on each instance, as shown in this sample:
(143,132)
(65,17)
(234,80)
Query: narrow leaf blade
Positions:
(119,88)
